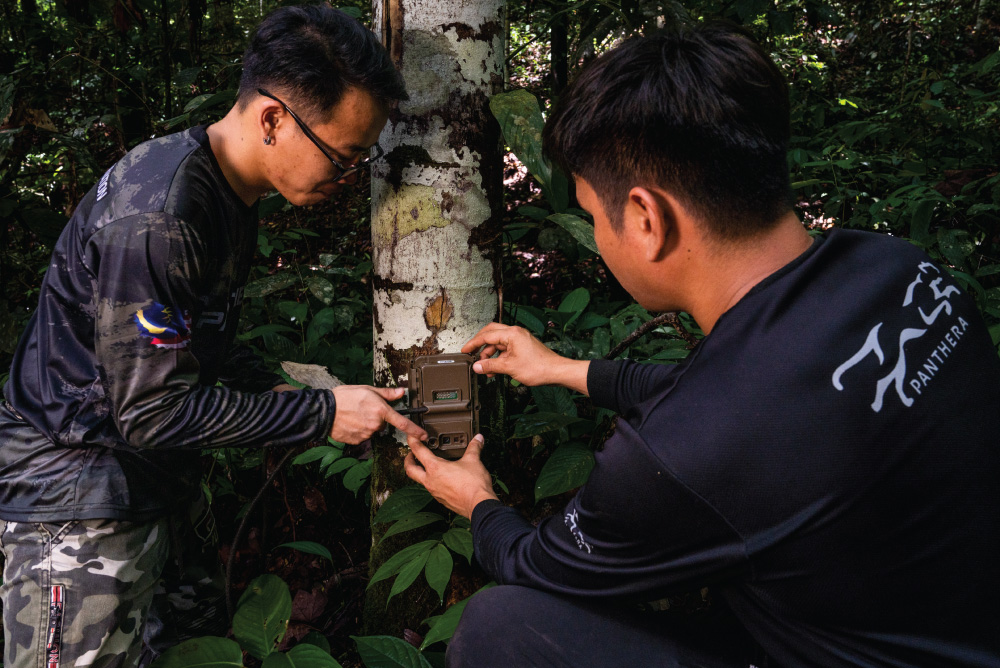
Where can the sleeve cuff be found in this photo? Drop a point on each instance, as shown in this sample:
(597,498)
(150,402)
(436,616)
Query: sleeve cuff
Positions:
(602,381)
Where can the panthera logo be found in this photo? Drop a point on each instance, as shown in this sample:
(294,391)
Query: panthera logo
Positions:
(163,326)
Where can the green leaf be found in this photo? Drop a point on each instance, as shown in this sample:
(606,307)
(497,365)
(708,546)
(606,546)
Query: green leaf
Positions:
(314,453)
(270,284)
(955,245)
(340,465)
(303,655)
(567,468)
(271,205)
(317,639)
(388,652)
(554,399)
(397,561)
(410,522)
(575,302)
(401,503)
(443,626)
(309,547)
(459,540)
(204,652)
(581,230)
(409,572)
(534,424)
(438,569)
(323,290)
(261,330)
(920,223)
(294,311)
(533,324)
(533,212)
(521,121)
(262,615)
(356,477)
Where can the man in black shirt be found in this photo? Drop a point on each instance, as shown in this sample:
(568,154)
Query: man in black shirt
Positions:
(826,459)
(115,386)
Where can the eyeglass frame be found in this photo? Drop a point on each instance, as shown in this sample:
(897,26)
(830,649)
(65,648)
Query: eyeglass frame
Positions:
(344,171)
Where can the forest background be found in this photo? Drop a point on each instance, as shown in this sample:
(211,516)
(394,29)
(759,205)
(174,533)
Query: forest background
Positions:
(896,113)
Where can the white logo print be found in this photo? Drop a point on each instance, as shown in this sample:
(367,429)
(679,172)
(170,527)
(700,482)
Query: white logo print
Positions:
(572,521)
(897,378)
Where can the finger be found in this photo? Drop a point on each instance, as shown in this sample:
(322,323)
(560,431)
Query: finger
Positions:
(420,451)
(414,470)
(390,393)
(493,333)
(490,366)
(475,447)
(404,425)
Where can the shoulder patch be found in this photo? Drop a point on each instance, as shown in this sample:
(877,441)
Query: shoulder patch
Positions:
(164,326)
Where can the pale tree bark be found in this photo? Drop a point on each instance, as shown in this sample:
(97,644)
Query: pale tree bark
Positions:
(436,225)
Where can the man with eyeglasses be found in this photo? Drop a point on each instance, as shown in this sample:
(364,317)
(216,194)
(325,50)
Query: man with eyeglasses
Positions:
(128,369)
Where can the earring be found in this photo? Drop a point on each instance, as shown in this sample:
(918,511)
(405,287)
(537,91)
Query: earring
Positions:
(267,140)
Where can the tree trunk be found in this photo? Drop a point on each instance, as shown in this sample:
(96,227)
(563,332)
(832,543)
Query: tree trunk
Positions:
(437,206)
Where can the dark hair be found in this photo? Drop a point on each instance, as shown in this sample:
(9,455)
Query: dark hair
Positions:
(312,54)
(700,110)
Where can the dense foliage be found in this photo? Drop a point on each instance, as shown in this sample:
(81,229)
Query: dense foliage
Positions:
(896,120)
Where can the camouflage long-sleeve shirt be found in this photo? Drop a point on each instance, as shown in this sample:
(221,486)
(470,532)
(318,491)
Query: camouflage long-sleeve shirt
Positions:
(114,387)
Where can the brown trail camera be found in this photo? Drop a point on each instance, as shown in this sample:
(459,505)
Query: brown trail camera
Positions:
(444,401)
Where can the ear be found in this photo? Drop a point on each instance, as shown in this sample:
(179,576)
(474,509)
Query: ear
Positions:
(649,215)
(269,116)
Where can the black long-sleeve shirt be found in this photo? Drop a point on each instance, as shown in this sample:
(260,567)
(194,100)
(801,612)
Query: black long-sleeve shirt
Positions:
(828,458)
(115,379)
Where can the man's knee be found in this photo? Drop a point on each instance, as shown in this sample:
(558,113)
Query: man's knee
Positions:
(489,619)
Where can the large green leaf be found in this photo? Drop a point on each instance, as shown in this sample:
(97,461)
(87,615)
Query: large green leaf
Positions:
(409,572)
(410,522)
(567,468)
(301,656)
(438,569)
(397,561)
(312,454)
(443,626)
(262,615)
(401,503)
(521,121)
(204,652)
(309,547)
(534,424)
(356,477)
(388,652)
(575,301)
(581,230)
(459,540)
(554,399)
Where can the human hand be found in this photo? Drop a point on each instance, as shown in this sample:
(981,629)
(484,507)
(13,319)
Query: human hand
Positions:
(524,358)
(362,410)
(460,484)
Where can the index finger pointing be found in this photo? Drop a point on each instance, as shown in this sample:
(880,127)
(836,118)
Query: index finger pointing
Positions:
(406,426)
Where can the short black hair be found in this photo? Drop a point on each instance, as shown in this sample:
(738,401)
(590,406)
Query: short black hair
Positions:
(699,110)
(313,54)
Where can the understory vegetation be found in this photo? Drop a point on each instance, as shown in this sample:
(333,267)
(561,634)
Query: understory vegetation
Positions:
(896,121)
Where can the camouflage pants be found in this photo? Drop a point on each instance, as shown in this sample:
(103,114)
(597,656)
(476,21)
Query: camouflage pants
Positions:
(106,592)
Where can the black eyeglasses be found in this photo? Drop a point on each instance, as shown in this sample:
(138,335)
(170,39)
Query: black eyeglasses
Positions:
(376,150)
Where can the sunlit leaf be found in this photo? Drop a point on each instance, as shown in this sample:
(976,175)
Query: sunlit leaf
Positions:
(262,615)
